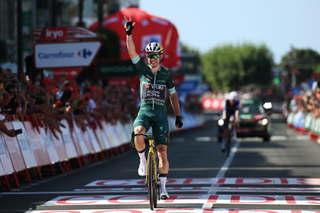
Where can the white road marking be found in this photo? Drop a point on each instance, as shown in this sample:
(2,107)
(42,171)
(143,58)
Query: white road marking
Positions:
(177,140)
(278,138)
(303,137)
(16,190)
(222,172)
(181,210)
(276,116)
(203,139)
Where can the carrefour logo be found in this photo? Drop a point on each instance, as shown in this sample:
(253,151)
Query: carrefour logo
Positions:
(60,54)
(85,53)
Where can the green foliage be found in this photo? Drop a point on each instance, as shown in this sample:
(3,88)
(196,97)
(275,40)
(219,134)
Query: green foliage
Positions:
(187,49)
(111,44)
(229,67)
(300,59)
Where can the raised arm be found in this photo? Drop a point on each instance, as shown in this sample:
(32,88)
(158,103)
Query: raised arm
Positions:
(130,44)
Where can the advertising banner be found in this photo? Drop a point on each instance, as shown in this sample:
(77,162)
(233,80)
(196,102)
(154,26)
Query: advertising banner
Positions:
(14,150)
(83,145)
(58,144)
(87,140)
(4,156)
(93,139)
(111,135)
(25,145)
(2,172)
(52,152)
(67,139)
(62,33)
(40,152)
(76,142)
(75,54)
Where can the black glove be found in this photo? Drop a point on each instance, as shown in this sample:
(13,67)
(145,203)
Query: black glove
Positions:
(179,122)
(129,27)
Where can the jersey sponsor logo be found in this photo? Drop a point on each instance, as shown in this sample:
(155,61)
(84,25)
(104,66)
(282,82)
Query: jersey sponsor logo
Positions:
(153,92)
(159,81)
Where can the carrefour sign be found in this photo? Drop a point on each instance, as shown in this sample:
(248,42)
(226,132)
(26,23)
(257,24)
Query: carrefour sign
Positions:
(76,54)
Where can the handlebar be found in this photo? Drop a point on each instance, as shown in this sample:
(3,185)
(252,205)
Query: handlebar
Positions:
(152,136)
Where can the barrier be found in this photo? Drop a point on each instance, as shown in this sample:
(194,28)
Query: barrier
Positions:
(15,153)
(4,175)
(39,148)
(304,124)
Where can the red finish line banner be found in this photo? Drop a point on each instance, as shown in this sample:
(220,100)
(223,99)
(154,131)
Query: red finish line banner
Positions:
(186,199)
(177,211)
(186,181)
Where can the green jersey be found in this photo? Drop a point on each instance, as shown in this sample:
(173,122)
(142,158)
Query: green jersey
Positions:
(153,88)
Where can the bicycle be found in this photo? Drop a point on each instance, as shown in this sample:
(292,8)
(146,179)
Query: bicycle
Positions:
(229,138)
(152,176)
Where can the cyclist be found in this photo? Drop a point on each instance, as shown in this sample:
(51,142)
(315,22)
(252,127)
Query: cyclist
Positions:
(230,114)
(154,81)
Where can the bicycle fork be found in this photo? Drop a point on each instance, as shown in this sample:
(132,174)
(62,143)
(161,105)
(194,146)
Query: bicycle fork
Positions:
(151,150)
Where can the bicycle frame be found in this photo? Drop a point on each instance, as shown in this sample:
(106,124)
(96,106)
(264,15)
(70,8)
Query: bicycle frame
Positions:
(152,151)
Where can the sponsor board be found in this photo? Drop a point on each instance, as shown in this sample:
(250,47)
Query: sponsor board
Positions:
(75,54)
(280,181)
(180,210)
(62,33)
(186,199)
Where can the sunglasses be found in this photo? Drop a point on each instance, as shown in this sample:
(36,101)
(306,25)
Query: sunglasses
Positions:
(155,56)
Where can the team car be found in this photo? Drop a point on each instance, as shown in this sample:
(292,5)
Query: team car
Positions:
(254,120)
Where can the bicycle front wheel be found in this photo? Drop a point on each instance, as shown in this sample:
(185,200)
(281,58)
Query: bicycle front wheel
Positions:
(151,181)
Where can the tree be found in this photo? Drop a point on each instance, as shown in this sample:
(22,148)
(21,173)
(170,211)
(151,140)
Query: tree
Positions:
(187,49)
(302,62)
(229,67)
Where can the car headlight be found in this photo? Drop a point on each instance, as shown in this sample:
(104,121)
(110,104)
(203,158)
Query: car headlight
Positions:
(263,122)
(220,122)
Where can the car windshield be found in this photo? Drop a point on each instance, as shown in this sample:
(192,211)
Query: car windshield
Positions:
(252,109)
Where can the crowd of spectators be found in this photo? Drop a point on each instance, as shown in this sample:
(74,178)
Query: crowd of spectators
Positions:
(45,102)
(303,103)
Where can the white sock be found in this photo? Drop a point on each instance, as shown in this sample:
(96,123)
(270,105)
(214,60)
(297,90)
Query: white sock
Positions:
(234,133)
(163,181)
(142,157)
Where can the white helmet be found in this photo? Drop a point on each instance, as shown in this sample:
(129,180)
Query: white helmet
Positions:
(233,95)
(154,48)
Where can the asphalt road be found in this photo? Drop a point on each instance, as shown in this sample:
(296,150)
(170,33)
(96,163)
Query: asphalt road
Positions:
(280,175)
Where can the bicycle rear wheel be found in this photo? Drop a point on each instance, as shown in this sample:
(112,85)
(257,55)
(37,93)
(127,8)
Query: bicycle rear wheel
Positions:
(151,182)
